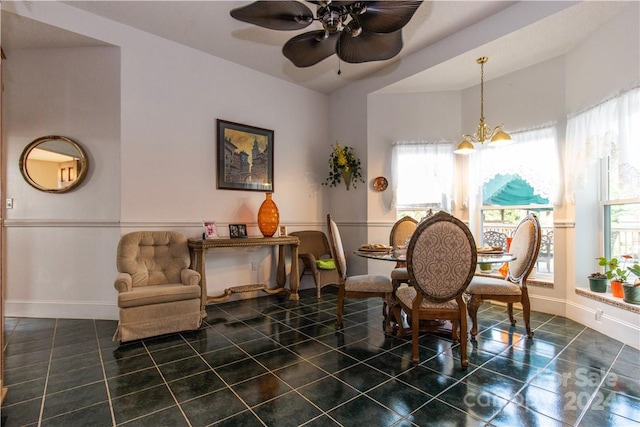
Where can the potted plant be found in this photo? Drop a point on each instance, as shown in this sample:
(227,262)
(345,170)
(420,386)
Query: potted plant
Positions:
(616,272)
(632,291)
(598,282)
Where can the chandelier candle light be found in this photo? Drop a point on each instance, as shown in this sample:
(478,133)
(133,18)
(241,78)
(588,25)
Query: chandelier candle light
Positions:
(497,136)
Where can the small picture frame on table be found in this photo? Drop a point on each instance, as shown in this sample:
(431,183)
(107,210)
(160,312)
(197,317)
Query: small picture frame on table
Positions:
(283,230)
(237,230)
(210,231)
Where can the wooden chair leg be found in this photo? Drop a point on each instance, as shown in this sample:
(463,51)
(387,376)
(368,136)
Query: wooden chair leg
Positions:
(472,308)
(390,302)
(463,339)
(341,295)
(526,312)
(454,330)
(316,277)
(415,335)
(510,312)
(397,313)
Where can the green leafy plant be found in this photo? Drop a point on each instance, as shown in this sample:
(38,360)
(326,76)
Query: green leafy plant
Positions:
(343,164)
(635,269)
(613,269)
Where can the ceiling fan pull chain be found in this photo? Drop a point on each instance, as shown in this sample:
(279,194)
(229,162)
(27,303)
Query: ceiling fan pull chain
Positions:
(339,70)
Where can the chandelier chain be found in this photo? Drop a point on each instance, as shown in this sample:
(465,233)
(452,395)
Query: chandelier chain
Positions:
(482,91)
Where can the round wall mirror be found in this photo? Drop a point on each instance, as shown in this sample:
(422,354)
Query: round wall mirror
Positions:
(54,164)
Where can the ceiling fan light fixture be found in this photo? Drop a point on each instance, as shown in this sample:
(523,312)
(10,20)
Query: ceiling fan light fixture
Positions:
(358,8)
(332,17)
(322,36)
(353,29)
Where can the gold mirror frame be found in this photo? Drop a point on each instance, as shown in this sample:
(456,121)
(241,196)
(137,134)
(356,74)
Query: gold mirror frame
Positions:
(74,176)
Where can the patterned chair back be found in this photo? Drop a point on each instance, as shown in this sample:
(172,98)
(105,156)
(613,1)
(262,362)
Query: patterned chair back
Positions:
(495,238)
(525,246)
(337,250)
(401,230)
(441,258)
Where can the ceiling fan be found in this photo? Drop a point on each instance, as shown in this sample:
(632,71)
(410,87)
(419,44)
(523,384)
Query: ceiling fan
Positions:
(357,31)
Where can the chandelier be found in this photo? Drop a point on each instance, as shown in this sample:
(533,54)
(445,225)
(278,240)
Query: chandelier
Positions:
(483,133)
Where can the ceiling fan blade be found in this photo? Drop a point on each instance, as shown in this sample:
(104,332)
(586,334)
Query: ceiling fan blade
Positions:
(308,49)
(387,16)
(275,15)
(342,3)
(369,46)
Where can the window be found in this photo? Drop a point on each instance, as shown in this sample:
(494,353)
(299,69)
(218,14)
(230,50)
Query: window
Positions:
(609,133)
(422,177)
(515,180)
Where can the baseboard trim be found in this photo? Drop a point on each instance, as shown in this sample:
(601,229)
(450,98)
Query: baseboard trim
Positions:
(61,309)
(609,325)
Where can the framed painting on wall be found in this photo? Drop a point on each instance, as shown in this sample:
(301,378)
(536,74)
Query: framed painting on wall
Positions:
(245,157)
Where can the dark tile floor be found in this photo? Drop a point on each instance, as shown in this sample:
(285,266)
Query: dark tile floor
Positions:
(278,363)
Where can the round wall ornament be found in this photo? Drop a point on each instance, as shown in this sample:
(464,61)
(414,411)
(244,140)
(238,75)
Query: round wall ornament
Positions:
(380,183)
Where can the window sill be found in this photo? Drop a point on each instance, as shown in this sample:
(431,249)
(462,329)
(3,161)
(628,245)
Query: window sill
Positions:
(538,282)
(609,299)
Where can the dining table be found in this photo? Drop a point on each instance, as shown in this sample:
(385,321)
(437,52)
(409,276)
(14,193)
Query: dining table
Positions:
(402,327)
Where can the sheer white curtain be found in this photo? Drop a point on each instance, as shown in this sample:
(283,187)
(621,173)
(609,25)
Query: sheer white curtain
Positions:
(533,155)
(612,127)
(422,174)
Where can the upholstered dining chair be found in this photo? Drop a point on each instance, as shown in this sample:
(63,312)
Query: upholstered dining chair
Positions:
(441,260)
(157,292)
(315,253)
(400,232)
(494,238)
(360,286)
(525,246)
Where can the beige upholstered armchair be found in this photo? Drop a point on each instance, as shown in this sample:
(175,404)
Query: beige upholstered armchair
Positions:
(157,292)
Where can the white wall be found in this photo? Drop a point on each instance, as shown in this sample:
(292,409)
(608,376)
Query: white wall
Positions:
(601,66)
(146,113)
(58,244)
(431,116)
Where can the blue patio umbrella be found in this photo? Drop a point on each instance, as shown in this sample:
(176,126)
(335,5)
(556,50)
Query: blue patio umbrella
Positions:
(510,190)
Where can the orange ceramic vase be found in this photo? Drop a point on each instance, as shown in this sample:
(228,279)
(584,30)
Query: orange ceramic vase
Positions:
(616,289)
(268,217)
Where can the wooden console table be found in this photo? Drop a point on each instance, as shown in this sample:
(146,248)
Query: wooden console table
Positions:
(199,247)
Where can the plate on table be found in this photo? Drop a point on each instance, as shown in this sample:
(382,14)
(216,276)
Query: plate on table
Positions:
(375,247)
(490,250)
